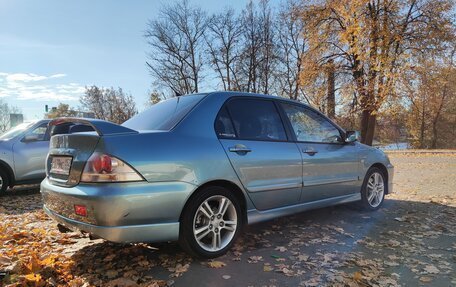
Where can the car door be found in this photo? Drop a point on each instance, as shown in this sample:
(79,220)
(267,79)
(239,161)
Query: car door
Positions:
(254,138)
(30,155)
(330,166)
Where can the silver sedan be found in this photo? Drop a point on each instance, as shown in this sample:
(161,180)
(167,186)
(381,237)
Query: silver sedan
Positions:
(197,168)
(23,151)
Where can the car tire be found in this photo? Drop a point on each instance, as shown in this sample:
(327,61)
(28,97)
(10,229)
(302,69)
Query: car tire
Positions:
(210,223)
(4,181)
(373,189)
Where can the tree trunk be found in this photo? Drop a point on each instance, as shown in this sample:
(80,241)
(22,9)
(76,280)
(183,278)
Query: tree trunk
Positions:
(370,129)
(330,93)
(368,122)
(364,124)
(434,135)
(422,128)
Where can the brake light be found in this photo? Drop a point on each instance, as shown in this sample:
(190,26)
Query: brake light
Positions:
(105,168)
(102,163)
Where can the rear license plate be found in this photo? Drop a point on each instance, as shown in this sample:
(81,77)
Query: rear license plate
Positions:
(61,165)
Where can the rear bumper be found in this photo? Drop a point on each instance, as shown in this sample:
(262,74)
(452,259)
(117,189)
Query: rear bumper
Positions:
(130,233)
(120,212)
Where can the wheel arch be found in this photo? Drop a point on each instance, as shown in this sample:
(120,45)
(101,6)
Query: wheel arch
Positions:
(383,168)
(9,172)
(225,184)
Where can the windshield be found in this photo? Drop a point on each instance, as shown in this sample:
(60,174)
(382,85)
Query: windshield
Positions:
(164,115)
(11,133)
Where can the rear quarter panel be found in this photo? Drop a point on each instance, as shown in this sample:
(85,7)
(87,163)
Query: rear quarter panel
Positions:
(189,153)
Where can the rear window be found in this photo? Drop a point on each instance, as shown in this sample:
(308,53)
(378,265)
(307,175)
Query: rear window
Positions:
(164,115)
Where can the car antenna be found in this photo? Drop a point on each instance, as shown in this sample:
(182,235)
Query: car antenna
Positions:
(177,94)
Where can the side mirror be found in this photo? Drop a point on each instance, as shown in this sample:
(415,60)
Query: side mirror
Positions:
(30,138)
(352,136)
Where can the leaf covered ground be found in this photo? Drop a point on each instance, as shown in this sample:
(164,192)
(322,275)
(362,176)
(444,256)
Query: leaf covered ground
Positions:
(411,241)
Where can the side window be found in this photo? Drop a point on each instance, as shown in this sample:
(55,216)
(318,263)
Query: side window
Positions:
(256,120)
(40,132)
(223,125)
(310,126)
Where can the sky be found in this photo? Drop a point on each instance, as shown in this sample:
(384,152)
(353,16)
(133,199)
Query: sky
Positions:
(50,49)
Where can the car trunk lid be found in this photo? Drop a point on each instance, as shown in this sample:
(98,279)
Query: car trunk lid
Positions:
(73,140)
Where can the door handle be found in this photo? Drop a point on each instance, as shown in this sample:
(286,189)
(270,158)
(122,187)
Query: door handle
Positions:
(239,148)
(309,151)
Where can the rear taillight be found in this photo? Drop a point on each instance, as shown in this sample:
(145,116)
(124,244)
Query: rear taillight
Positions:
(105,168)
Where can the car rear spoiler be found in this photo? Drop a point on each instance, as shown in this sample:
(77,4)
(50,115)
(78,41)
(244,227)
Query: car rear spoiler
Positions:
(101,127)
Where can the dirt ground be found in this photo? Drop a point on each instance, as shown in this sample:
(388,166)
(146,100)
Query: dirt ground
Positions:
(411,241)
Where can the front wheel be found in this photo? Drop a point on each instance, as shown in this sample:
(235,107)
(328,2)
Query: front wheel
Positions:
(3,181)
(373,189)
(210,223)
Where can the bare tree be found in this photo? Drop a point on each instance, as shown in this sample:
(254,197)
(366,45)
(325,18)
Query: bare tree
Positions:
(258,57)
(267,47)
(176,42)
(222,39)
(108,104)
(5,111)
(250,55)
(291,45)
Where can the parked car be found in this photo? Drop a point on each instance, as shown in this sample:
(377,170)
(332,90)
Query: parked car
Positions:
(197,168)
(23,151)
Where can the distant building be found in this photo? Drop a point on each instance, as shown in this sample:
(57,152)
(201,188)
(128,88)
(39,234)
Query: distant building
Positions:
(90,115)
(16,119)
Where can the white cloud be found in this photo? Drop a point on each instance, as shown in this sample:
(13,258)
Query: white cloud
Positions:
(58,76)
(29,77)
(29,86)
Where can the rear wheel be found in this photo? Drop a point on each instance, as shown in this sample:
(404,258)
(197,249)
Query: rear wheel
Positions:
(373,189)
(4,182)
(210,223)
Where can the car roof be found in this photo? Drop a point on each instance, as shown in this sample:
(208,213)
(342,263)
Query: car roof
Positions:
(230,94)
(264,96)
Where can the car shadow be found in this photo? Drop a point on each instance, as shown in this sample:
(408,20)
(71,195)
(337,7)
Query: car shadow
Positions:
(22,190)
(399,228)
(21,199)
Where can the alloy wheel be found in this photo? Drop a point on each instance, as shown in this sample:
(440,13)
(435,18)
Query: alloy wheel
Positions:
(215,223)
(375,189)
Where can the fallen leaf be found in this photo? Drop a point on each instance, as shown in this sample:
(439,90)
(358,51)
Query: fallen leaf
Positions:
(393,243)
(286,271)
(425,279)
(431,269)
(357,276)
(35,278)
(400,219)
(111,273)
(303,257)
(5,260)
(216,264)
(281,248)
(122,282)
(254,259)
